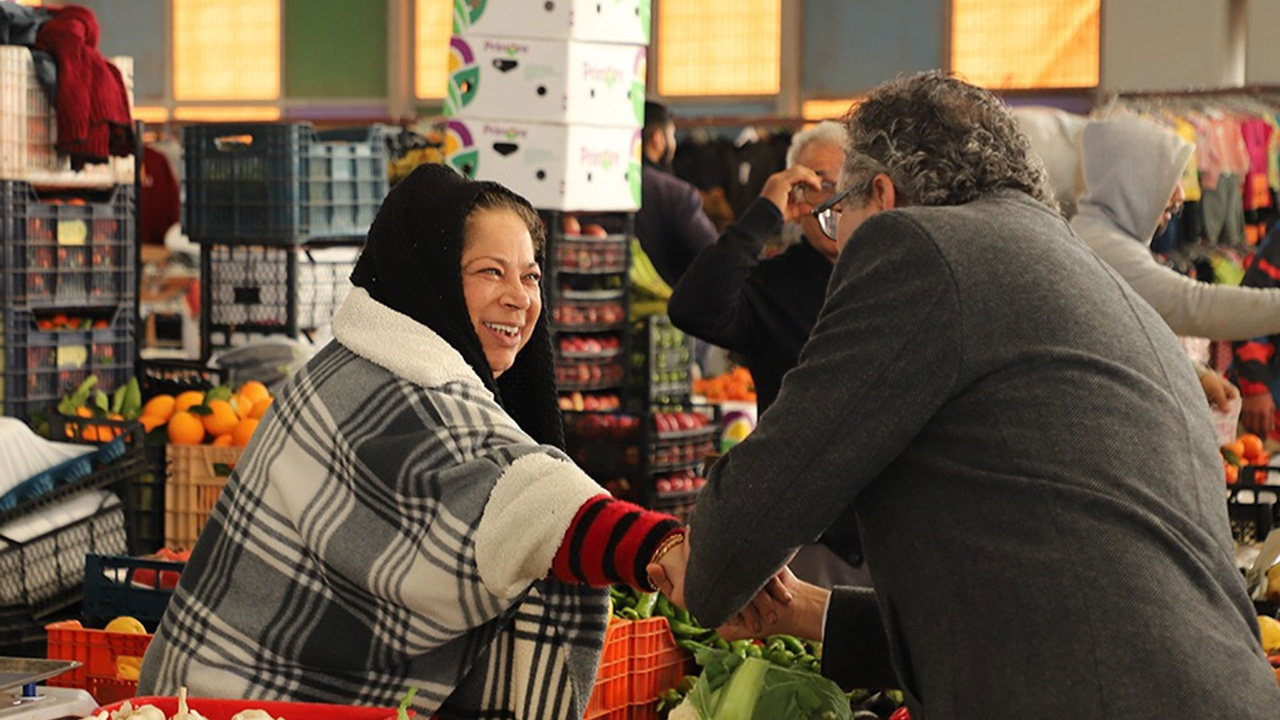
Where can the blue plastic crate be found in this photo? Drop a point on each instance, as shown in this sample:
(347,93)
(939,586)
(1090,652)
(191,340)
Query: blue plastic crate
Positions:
(281,183)
(60,249)
(116,585)
(43,362)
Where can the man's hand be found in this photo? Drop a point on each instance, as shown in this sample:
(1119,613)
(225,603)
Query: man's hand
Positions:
(801,615)
(1218,390)
(1257,413)
(777,190)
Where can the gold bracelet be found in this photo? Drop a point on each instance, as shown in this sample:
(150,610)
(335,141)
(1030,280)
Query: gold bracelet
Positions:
(671,541)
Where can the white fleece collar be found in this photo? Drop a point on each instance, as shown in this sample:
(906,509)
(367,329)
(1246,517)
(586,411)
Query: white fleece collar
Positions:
(394,341)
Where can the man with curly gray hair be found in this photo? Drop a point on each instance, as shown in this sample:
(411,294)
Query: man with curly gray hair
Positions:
(972,389)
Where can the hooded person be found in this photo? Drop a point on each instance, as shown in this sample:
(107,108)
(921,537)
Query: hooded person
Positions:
(1132,172)
(404,516)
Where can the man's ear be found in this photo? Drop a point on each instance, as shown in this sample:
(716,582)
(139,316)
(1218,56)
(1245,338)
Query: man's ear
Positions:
(883,191)
(654,145)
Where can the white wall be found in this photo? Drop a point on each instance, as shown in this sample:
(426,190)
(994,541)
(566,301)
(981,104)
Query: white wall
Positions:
(1174,44)
(1262,60)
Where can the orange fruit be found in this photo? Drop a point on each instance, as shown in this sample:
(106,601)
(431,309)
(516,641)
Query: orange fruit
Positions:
(151,422)
(242,405)
(244,430)
(1236,447)
(260,408)
(160,406)
(187,400)
(221,418)
(185,429)
(1233,474)
(255,391)
(1252,445)
(223,440)
(84,412)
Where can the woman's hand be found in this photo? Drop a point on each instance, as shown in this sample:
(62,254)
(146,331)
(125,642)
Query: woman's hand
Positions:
(667,568)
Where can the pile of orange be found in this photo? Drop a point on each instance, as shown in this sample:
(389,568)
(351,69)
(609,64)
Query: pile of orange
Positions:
(1244,450)
(221,416)
(733,385)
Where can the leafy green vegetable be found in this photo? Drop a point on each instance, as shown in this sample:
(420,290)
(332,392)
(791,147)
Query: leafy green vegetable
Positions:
(733,688)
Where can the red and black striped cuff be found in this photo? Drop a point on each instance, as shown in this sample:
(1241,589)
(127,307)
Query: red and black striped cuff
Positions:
(611,541)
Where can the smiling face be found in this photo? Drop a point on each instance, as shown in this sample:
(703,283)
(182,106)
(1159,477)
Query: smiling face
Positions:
(501,284)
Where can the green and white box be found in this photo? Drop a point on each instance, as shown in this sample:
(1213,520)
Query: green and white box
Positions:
(546,81)
(612,21)
(554,166)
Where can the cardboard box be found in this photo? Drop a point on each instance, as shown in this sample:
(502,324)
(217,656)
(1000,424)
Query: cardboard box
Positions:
(555,167)
(546,81)
(613,21)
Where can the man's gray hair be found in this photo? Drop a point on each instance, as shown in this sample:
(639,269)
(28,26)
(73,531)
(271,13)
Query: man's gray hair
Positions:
(941,141)
(826,132)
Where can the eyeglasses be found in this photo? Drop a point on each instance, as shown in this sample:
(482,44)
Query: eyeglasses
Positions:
(828,214)
(809,196)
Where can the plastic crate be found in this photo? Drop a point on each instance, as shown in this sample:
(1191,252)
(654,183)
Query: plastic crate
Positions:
(611,694)
(657,663)
(46,572)
(98,653)
(67,249)
(281,183)
(273,290)
(590,373)
(589,315)
(43,362)
(224,709)
(116,585)
(660,361)
(171,377)
(590,255)
(115,462)
(197,474)
(29,129)
(143,497)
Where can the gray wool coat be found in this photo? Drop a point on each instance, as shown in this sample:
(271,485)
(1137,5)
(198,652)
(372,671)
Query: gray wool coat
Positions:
(1034,469)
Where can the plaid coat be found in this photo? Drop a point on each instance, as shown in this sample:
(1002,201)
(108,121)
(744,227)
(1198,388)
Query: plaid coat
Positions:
(388,526)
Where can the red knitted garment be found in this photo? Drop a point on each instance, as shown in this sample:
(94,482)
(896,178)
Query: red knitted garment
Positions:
(93,108)
(611,541)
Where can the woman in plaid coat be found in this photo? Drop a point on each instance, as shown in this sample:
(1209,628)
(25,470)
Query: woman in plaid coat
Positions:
(405,515)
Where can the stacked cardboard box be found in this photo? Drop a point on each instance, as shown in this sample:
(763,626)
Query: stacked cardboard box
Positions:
(548,99)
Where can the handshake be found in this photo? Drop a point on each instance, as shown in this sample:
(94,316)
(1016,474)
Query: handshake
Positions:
(785,605)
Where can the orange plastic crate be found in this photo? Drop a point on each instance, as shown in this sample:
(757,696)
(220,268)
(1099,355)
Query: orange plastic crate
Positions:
(612,691)
(97,652)
(196,476)
(657,663)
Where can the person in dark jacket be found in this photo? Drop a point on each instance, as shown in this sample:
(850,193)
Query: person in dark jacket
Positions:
(671,224)
(1254,361)
(764,310)
(1030,558)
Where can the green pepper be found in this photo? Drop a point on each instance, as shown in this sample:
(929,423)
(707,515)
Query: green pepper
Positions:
(755,651)
(692,646)
(791,643)
(680,629)
(628,613)
(645,605)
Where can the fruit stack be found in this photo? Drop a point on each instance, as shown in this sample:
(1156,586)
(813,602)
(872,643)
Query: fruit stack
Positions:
(280,212)
(67,254)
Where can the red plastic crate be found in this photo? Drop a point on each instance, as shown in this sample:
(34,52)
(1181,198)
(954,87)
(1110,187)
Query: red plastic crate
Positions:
(219,709)
(657,663)
(612,691)
(97,652)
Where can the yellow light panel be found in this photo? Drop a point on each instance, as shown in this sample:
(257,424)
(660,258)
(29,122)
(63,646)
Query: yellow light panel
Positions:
(710,47)
(433,24)
(826,109)
(150,114)
(1015,44)
(223,113)
(226,50)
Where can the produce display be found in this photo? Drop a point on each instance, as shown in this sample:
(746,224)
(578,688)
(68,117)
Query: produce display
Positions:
(1246,450)
(220,416)
(91,403)
(733,385)
(589,402)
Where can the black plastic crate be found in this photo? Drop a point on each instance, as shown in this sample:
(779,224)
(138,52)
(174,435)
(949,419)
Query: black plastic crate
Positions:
(586,374)
(116,585)
(170,377)
(47,354)
(119,460)
(281,183)
(67,250)
(661,357)
(589,315)
(272,290)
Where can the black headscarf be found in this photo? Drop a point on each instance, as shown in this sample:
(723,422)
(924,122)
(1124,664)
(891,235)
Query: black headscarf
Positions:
(412,263)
